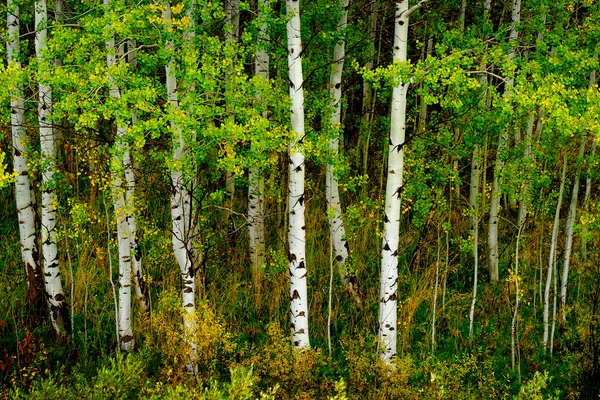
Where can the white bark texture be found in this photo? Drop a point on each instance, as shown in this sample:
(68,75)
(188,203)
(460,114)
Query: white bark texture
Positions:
(54,291)
(256,195)
(552,255)
(334,206)
(569,228)
(296,199)
(474,232)
(23,191)
(181,202)
(139,283)
(499,166)
(121,162)
(388,293)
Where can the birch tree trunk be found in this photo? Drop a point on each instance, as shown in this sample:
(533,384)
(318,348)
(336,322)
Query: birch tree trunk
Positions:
(336,224)
(569,228)
(388,293)
(54,291)
(499,166)
(296,199)
(139,283)
(256,182)
(181,202)
(232,20)
(23,191)
(552,256)
(474,231)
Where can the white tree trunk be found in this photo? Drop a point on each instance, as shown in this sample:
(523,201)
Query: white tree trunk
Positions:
(502,145)
(296,198)
(181,202)
(474,232)
(388,293)
(121,161)
(139,283)
(569,228)
(54,291)
(552,256)
(256,195)
(23,191)
(336,224)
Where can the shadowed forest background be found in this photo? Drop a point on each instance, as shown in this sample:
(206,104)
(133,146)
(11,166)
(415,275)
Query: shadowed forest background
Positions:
(301,199)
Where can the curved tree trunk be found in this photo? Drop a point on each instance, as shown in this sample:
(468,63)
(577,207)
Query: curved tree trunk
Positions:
(59,315)
(296,198)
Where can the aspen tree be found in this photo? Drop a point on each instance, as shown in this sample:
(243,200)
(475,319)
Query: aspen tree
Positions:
(502,146)
(54,290)
(23,190)
(569,228)
(388,294)
(181,201)
(232,31)
(552,255)
(334,206)
(121,160)
(296,196)
(256,195)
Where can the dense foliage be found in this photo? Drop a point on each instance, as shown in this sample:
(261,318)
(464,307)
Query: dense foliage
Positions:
(530,105)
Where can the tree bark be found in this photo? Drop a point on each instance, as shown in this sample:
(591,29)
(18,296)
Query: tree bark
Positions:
(256,195)
(59,315)
(388,293)
(569,228)
(34,280)
(296,198)
(552,256)
(181,202)
(336,224)
(499,166)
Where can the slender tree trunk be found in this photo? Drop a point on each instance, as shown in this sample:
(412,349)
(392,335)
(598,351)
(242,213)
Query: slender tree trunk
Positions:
(388,294)
(181,202)
(122,201)
(586,200)
(23,191)
(59,315)
(256,195)
(139,283)
(368,99)
(296,198)
(435,293)
(474,233)
(569,228)
(232,20)
(552,256)
(336,224)
(514,332)
(502,146)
